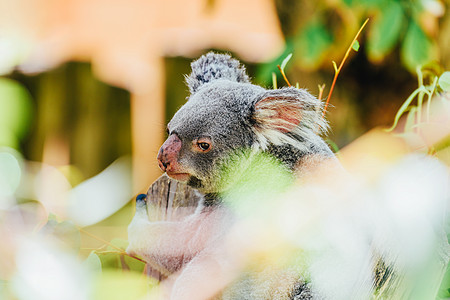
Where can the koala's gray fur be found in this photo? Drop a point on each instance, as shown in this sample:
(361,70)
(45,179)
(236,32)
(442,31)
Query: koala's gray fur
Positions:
(213,66)
(225,107)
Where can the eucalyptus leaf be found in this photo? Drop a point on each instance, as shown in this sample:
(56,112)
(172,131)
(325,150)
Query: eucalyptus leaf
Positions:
(333,145)
(348,2)
(115,284)
(264,71)
(93,263)
(385,30)
(118,243)
(444,81)
(372,3)
(355,46)
(444,290)
(312,44)
(417,48)
(65,231)
(15,108)
(10,175)
(110,260)
(133,264)
(404,108)
(285,61)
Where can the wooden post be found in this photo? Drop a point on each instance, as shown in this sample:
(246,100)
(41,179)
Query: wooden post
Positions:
(167,200)
(166,196)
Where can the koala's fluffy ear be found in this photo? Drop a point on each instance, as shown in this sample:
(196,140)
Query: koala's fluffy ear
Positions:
(287,110)
(213,66)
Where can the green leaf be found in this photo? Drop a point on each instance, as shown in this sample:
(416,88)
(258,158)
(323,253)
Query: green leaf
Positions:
(348,2)
(285,61)
(264,177)
(372,3)
(404,108)
(355,46)
(15,111)
(333,145)
(93,263)
(417,48)
(264,71)
(10,174)
(385,30)
(312,44)
(118,285)
(110,259)
(134,264)
(65,231)
(117,259)
(118,243)
(444,290)
(444,81)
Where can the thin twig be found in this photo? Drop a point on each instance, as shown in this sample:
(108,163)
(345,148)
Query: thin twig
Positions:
(99,239)
(152,264)
(336,73)
(321,89)
(284,75)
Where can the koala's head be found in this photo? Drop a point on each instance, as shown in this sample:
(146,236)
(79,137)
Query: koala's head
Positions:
(226,114)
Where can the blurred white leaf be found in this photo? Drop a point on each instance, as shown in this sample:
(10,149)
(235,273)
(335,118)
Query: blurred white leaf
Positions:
(102,195)
(45,272)
(10,174)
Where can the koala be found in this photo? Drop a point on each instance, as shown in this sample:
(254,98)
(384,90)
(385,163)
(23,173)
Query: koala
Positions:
(225,115)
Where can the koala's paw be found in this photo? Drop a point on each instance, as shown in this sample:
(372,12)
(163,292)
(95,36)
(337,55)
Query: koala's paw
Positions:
(141,204)
(141,199)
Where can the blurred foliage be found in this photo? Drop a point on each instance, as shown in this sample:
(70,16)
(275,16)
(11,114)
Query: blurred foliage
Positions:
(444,291)
(88,117)
(65,232)
(410,26)
(436,83)
(15,113)
(115,285)
(399,36)
(91,121)
(68,118)
(10,174)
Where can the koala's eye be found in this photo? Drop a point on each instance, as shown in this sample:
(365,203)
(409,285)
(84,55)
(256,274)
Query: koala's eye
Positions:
(202,145)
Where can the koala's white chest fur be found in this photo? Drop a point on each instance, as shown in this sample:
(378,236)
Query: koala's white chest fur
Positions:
(188,246)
